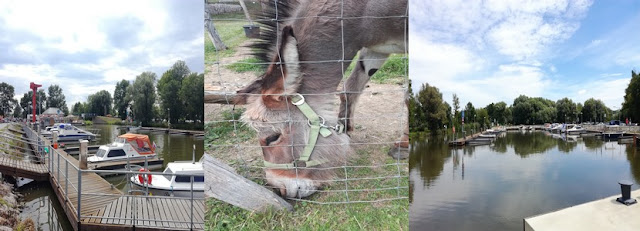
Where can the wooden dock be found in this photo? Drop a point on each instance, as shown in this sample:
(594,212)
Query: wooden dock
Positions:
(92,203)
(463,141)
(17,167)
(172,131)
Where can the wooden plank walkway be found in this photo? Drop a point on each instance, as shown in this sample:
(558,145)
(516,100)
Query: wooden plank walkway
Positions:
(19,168)
(170,213)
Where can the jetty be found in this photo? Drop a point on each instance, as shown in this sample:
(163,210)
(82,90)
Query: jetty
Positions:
(172,131)
(92,203)
(603,214)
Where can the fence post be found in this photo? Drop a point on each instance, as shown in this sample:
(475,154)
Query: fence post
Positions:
(55,139)
(66,177)
(192,200)
(83,154)
(79,197)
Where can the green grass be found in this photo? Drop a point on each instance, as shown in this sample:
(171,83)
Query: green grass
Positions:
(228,132)
(393,71)
(246,65)
(384,215)
(231,33)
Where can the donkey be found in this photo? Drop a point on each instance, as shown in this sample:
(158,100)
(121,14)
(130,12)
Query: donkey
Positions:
(291,105)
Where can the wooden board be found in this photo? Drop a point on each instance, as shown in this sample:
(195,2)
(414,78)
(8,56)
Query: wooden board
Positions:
(223,183)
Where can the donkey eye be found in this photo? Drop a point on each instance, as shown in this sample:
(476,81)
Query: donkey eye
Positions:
(272,138)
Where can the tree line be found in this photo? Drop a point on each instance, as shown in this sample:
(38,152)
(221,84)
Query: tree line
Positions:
(178,97)
(429,112)
(21,108)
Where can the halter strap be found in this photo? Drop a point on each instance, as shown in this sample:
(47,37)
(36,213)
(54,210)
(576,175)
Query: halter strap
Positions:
(318,127)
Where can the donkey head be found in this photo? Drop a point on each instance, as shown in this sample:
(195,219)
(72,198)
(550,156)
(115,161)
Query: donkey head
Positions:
(298,132)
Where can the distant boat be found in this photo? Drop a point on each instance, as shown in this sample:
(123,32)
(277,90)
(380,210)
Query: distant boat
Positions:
(575,129)
(557,128)
(68,132)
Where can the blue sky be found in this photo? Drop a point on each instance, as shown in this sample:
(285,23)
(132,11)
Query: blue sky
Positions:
(491,51)
(87,46)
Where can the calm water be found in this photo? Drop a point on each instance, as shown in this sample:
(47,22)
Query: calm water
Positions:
(41,203)
(520,175)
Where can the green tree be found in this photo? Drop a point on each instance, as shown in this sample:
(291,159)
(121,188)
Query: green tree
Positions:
(26,100)
(100,103)
(631,104)
(17,111)
(566,110)
(169,87)
(192,94)
(56,99)
(7,101)
(469,113)
(595,110)
(482,116)
(432,107)
(142,95)
(78,108)
(120,102)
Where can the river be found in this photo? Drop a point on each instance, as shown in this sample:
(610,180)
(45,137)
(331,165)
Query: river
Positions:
(494,187)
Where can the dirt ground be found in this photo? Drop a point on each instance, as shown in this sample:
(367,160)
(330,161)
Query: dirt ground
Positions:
(379,117)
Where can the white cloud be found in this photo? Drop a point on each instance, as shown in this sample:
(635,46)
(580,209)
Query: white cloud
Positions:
(86,47)
(489,51)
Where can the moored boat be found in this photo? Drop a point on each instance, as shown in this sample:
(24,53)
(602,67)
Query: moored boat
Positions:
(172,185)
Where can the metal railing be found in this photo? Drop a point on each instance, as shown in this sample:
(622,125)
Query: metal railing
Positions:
(58,167)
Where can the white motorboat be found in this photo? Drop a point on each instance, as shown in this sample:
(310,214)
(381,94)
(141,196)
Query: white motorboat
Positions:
(172,185)
(126,146)
(557,128)
(68,132)
(575,129)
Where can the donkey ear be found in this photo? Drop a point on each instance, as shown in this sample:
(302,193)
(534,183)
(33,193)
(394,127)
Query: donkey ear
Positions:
(283,75)
(242,95)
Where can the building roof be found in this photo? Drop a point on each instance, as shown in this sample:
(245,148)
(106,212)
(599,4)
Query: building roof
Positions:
(53,111)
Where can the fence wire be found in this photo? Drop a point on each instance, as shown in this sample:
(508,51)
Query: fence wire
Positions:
(369,175)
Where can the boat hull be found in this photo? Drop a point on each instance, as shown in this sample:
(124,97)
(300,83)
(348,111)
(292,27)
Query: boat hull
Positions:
(197,194)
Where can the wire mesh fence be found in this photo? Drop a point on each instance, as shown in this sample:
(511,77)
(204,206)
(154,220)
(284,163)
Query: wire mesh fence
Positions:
(244,131)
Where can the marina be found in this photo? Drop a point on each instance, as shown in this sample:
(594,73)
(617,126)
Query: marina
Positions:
(91,202)
(521,174)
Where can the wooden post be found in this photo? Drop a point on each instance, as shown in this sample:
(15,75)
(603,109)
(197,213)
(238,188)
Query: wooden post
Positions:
(83,154)
(55,139)
(211,31)
(246,12)
(223,183)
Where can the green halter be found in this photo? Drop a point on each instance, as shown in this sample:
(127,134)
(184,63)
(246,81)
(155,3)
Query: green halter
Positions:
(317,124)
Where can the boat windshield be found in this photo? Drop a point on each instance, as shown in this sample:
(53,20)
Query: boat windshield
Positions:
(101,153)
(188,178)
(120,140)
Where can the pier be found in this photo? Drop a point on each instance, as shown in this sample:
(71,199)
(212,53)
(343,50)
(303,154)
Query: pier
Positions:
(92,203)
(603,214)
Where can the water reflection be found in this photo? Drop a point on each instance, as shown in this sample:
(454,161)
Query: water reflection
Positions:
(493,187)
(42,206)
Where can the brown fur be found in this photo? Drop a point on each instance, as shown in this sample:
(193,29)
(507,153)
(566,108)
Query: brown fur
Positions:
(318,37)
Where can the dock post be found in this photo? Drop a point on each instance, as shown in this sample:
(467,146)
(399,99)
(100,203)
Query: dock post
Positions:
(38,129)
(55,139)
(83,154)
